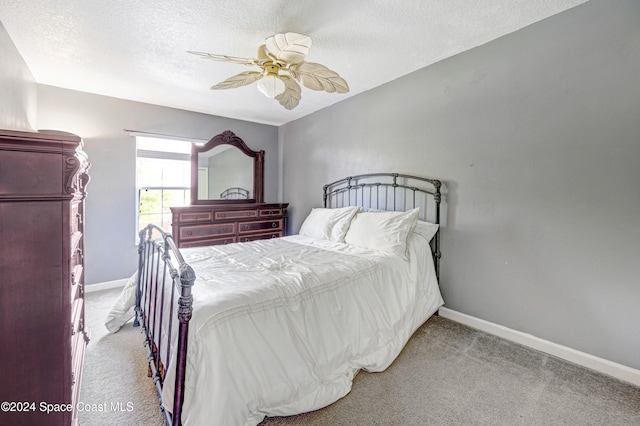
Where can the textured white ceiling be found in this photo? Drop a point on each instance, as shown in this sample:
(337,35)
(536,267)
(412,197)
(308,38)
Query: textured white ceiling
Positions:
(137,49)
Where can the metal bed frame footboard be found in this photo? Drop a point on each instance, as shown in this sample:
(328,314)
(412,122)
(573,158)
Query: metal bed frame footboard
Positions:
(158,279)
(390,191)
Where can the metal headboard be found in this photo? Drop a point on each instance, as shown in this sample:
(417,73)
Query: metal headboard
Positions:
(235,193)
(390,191)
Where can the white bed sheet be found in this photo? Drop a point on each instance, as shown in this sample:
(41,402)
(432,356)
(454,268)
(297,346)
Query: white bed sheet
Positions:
(282,326)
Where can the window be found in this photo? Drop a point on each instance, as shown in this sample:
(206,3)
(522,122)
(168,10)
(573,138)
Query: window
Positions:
(163,179)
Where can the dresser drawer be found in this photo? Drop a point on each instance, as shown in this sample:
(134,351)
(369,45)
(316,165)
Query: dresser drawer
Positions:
(240,214)
(269,213)
(208,242)
(263,225)
(195,217)
(261,236)
(203,231)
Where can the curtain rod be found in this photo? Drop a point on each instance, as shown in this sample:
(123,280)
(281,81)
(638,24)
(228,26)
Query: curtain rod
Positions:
(161,135)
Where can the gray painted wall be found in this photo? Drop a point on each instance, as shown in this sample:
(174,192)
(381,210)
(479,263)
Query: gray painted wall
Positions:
(536,135)
(110,251)
(18,93)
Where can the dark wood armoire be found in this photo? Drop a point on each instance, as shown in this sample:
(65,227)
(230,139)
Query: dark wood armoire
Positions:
(43,180)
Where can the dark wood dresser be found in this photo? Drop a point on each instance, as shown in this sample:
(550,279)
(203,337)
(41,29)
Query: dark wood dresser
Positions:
(205,225)
(43,177)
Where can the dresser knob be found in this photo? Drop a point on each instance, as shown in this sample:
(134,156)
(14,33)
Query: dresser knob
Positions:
(273,224)
(189,233)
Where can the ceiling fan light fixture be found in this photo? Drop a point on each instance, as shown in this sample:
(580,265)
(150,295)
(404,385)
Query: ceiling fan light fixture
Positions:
(271,85)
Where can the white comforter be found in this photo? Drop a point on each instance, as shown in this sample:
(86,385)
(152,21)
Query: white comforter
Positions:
(282,326)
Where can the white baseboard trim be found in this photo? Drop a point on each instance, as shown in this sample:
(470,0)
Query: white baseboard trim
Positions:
(601,365)
(90,288)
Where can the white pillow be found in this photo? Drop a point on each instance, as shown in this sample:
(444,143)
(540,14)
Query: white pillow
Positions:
(425,229)
(328,224)
(385,231)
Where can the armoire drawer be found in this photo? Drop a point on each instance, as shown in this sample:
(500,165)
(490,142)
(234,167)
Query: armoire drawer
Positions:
(76,282)
(77,320)
(76,217)
(77,356)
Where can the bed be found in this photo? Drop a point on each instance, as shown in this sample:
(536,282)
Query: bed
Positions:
(278,327)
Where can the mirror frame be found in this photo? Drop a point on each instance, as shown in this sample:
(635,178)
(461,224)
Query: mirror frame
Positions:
(229,138)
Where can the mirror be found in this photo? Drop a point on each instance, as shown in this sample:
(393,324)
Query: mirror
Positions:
(226,170)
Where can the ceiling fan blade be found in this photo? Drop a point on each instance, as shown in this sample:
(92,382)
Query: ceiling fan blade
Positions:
(239,80)
(318,77)
(263,56)
(292,94)
(225,58)
(289,47)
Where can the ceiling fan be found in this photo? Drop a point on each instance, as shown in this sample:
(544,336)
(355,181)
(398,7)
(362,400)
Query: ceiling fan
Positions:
(281,59)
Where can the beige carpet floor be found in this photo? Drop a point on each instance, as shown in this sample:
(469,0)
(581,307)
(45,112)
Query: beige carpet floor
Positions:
(448,374)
